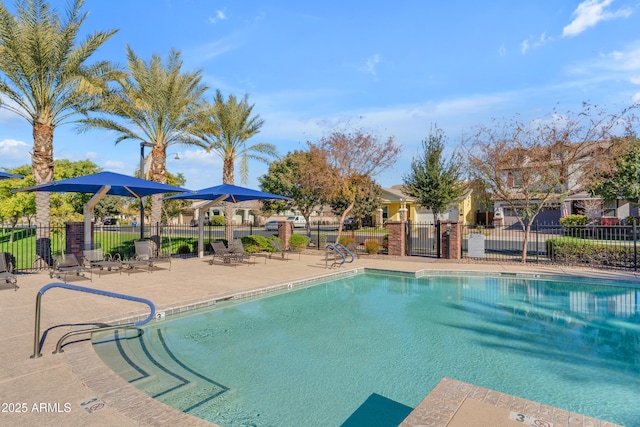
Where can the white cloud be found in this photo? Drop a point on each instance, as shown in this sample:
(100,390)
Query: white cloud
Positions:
(502,51)
(589,13)
(635,80)
(207,51)
(370,65)
(625,61)
(636,98)
(219,16)
(14,153)
(532,43)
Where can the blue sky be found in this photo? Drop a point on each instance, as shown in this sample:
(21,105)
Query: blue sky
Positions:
(393,68)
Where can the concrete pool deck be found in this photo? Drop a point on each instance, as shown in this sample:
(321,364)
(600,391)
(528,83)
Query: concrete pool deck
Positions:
(49,390)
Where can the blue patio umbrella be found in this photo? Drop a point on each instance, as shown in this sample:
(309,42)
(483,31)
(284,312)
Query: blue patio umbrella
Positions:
(103,183)
(227,193)
(6,175)
(221,193)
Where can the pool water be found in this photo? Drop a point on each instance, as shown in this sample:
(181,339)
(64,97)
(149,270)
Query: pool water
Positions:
(372,346)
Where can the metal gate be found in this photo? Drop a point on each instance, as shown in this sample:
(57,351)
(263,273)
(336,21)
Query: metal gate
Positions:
(422,239)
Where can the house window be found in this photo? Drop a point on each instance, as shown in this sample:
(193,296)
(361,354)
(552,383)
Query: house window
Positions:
(610,208)
(518,179)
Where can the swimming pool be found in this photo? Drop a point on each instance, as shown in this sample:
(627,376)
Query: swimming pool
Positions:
(316,356)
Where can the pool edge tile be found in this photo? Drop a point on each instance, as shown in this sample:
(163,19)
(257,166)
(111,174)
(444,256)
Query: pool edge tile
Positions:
(443,406)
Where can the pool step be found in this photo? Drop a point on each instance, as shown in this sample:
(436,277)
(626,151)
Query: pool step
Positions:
(145,361)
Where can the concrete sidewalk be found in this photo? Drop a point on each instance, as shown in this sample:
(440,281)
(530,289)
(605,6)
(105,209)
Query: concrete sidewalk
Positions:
(49,390)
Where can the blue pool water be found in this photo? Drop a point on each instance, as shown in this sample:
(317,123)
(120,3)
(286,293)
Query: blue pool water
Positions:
(372,346)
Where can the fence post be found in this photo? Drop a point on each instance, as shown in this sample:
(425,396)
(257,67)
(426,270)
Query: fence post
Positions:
(436,237)
(537,243)
(635,248)
(409,248)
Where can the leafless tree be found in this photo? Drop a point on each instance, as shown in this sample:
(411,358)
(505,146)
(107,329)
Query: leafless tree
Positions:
(354,155)
(532,165)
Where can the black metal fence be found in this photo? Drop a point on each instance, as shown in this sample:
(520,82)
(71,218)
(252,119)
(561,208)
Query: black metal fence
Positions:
(590,245)
(613,246)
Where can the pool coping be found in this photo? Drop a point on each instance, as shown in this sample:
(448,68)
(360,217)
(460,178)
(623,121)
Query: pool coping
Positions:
(449,404)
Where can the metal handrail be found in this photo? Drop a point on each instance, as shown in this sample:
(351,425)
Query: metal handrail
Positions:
(345,249)
(37,346)
(336,250)
(91,330)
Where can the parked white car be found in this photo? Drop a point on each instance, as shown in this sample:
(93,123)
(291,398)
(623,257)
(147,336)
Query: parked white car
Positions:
(298,221)
(271,226)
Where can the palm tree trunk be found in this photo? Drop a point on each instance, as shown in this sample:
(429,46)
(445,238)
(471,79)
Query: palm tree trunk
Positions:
(227,178)
(42,165)
(158,174)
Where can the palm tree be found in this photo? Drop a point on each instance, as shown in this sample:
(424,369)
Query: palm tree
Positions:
(45,79)
(159,105)
(225,131)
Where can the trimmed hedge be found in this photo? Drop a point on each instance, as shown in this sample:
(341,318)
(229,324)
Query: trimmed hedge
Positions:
(573,250)
(298,242)
(255,243)
(216,220)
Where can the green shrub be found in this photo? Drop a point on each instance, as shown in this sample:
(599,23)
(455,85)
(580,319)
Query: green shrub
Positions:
(322,240)
(571,250)
(575,219)
(298,242)
(216,220)
(256,243)
(574,225)
(183,250)
(371,246)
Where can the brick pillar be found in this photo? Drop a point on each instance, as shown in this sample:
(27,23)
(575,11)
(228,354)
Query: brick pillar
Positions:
(285,230)
(397,238)
(75,238)
(451,239)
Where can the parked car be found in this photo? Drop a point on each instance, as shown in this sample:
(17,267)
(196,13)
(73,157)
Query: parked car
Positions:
(110,224)
(271,226)
(350,224)
(298,221)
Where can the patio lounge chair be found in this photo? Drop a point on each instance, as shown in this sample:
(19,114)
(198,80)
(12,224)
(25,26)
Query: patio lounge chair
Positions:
(222,252)
(63,265)
(237,248)
(146,253)
(278,247)
(96,258)
(6,272)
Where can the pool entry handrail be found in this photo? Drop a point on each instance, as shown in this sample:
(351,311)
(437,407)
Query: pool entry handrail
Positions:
(345,251)
(337,249)
(37,345)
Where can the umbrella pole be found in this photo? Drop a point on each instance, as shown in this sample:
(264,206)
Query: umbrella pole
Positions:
(141,219)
